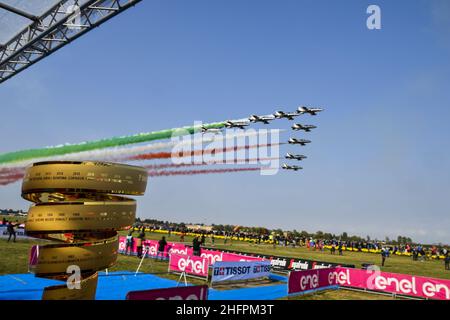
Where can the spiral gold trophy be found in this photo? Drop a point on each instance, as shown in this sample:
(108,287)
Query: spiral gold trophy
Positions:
(80,206)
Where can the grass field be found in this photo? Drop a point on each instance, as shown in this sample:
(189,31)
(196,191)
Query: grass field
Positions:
(14,259)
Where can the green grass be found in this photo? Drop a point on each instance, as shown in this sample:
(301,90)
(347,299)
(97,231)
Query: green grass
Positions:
(14,255)
(341,294)
(395,264)
(14,259)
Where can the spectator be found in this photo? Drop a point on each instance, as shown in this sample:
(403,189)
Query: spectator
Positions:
(129,243)
(11,231)
(139,243)
(415,254)
(384,255)
(196,246)
(202,241)
(340,249)
(182,237)
(333,248)
(447,262)
(161,246)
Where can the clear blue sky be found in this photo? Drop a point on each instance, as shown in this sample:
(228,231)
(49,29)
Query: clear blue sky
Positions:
(379,163)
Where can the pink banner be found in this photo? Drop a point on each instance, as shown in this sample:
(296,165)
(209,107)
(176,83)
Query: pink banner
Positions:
(33,256)
(401,284)
(212,256)
(190,264)
(215,255)
(179,248)
(150,246)
(302,281)
(176,293)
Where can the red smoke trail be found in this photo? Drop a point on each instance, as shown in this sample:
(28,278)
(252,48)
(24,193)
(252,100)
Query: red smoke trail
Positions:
(9,171)
(167,155)
(163,173)
(10,175)
(181,165)
(7,179)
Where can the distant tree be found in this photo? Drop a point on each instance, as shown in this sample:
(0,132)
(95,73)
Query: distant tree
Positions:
(344,236)
(304,234)
(327,236)
(319,234)
(278,232)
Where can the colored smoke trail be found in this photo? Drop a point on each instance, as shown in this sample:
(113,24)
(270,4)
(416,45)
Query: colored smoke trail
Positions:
(119,154)
(10,175)
(22,155)
(7,179)
(164,173)
(168,155)
(181,165)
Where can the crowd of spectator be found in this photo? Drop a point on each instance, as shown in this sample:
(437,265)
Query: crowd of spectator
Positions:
(335,246)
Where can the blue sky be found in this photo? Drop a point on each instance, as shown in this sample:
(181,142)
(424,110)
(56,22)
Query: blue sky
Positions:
(379,163)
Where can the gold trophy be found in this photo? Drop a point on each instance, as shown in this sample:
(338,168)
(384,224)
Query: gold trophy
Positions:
(79,206)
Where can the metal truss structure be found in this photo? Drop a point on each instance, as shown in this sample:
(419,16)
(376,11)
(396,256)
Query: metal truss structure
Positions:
(61,24)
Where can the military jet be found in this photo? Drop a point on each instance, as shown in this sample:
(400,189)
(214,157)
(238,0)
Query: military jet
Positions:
(286,115)
(302,142)
(236,124)
(298,157)
(264,119)
(211,130)
(295,168)
(311,111)
(304,127)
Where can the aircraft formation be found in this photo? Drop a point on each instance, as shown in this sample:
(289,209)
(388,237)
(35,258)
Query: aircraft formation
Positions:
(266,119)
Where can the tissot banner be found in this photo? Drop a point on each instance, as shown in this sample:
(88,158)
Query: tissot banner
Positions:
(193,265)
(176,293)
(239,270)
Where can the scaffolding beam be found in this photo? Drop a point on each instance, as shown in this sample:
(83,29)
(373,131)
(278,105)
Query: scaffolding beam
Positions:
(18,12)
(60,25)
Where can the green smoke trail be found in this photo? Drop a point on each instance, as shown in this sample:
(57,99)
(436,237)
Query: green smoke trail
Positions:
(16,156)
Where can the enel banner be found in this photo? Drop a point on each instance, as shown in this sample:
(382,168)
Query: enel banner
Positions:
(176,293)
(193,265)
(400,284)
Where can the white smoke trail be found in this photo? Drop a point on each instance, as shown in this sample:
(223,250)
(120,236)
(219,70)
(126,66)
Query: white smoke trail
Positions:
(121,153)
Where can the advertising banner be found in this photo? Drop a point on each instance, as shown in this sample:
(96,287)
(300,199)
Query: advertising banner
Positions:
(286,264)
(401,284)
(33,256)
(192,265)
(214,256)
(239,270)
(150,246)
(179,248)
(176,293)
(302,281)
